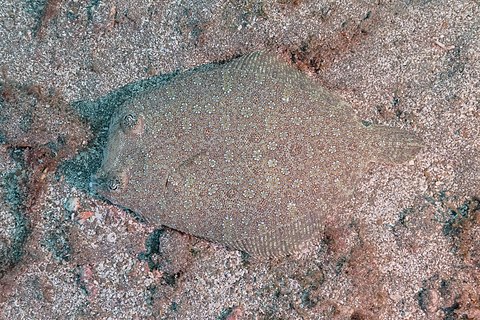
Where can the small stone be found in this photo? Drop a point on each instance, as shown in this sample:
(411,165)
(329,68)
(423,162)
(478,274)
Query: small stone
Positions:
(72,204)
(112,237)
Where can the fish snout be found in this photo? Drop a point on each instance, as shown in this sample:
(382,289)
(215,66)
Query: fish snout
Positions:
(107,182)
(96,183)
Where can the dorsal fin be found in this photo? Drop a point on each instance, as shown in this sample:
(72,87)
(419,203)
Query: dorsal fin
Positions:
(263,63)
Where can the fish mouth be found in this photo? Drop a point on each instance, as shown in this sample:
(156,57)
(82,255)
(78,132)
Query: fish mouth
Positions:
(99,183)
(96,184)
(108,183)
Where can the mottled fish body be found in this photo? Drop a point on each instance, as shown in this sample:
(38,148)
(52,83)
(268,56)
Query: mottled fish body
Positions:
(252,154)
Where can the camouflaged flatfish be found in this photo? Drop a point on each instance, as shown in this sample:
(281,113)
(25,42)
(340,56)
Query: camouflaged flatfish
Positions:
(252,154)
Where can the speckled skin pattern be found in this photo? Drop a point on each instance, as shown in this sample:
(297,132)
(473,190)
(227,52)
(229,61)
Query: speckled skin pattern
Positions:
(252,154)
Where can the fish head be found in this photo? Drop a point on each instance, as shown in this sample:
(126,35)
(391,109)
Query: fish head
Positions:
(123,157)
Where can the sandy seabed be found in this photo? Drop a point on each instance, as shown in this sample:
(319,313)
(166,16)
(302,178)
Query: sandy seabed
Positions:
(408,246)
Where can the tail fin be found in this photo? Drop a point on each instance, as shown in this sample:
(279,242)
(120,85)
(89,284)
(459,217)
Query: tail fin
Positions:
(393,145)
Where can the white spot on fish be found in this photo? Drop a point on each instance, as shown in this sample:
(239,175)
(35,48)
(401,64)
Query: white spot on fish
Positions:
(272,163)
(257,155)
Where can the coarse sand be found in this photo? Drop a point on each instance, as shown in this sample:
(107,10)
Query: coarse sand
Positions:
(408,246)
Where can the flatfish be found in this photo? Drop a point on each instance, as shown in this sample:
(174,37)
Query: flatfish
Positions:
(252,153)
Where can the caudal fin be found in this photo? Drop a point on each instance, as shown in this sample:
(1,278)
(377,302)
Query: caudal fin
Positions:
(394,145)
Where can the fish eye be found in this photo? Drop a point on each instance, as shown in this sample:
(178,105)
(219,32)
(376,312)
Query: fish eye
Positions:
(129,121)
(113,184)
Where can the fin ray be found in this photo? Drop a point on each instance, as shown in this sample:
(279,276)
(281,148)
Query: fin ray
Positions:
(394,145)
